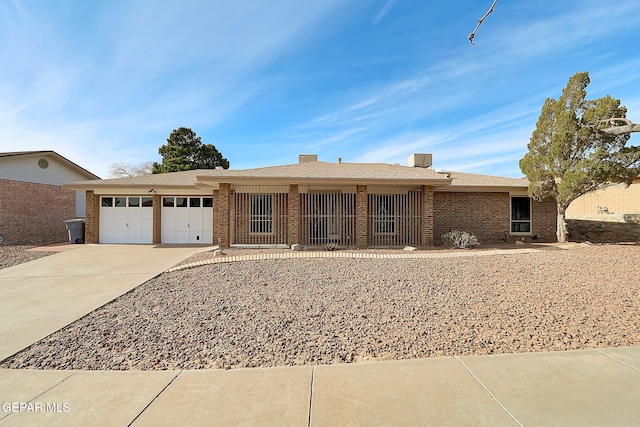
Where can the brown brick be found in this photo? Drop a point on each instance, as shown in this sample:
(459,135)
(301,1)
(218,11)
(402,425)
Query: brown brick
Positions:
(33,213)
(361,217)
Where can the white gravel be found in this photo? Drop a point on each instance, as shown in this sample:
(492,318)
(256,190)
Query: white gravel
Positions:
(323,311)
(11,255)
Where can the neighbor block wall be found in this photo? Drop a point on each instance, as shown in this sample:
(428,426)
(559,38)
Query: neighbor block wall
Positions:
(617,199)
(34,213)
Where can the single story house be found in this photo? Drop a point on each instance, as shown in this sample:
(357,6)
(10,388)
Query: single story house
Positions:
(313,203)
(33,203)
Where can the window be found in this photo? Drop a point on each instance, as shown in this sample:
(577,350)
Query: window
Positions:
(520,215)
(383,214)
(194,202)
(147,202)
(120,202)
(261,213)
(181,202)
(107,202)
(207,202)
(168,202)
(134,202)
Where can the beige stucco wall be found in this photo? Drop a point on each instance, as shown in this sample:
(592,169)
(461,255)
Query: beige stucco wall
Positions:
(618,199)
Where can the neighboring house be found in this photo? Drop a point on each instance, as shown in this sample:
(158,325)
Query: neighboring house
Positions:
(608,215)
(314,203)
(617,199)
(33,203)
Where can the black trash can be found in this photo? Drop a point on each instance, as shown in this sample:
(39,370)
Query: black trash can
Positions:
(76,230)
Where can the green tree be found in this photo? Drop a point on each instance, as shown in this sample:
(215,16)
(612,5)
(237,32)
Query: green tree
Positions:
(184,150)
(568,156)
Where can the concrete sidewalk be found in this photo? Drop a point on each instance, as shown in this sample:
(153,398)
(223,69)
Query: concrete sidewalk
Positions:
(599,387)
(587,387)
(39,297)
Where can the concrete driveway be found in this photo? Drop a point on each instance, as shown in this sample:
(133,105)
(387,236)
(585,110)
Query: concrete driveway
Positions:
(39,297)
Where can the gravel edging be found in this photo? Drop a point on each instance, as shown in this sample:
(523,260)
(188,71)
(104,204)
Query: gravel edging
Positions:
(322,311)
(11,255)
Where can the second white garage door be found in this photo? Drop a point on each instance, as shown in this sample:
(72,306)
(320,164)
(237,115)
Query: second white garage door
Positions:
(187,220)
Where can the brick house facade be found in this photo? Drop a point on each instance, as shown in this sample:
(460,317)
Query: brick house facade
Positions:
(33,202)
(315,203)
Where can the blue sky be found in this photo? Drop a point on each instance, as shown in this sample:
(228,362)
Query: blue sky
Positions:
(369,81)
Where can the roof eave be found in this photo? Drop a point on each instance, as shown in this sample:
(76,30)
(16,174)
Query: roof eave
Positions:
(212,181)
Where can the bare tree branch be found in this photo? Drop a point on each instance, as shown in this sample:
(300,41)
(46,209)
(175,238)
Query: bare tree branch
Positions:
(123,170)
(481,20)
(630,127)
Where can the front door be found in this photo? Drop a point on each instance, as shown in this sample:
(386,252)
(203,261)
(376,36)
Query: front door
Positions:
(324,218)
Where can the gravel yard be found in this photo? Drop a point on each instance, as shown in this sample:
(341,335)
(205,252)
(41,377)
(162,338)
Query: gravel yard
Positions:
(322,311)
(11,255)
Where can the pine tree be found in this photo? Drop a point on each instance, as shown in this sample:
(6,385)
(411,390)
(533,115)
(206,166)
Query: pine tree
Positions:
(569,157)
(184,150)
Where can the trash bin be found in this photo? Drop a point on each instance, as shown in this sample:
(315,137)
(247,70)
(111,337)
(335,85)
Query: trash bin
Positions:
(76,230)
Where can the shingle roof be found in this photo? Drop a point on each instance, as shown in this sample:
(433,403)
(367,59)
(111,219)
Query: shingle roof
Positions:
(460,179)
(309,172)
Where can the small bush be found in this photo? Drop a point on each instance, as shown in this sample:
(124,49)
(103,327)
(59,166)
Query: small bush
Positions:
(460,239)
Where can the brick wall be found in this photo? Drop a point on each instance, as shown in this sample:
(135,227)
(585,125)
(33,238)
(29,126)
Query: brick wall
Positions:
(361,216)
(222,213)
(293,216)
(487,215)
(427,216)
(91,218)
(484,214)
(544,217)
(157,219)
(34,213)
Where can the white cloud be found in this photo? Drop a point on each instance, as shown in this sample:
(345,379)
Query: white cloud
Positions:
(381,14)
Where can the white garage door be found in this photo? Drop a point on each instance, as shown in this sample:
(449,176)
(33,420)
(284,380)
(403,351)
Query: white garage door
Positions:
(126,219)
(187,220)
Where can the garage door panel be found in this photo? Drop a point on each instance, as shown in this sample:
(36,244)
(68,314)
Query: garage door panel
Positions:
(183,220)
(125,219)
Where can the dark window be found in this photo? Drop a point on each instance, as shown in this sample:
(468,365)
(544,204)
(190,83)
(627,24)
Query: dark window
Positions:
(194,202)
(107,202)
(168,202)
(181,202)
(134,202)
(120,202)
(261,213)
(520,215)
(147,202)
(207,202)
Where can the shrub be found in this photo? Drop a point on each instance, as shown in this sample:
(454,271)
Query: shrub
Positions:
(460,239)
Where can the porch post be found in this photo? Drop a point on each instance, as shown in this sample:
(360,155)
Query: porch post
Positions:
(361,217)
(427,215)
(293,215)
(157,219)
(223,211)
(91,217)
(215,216)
